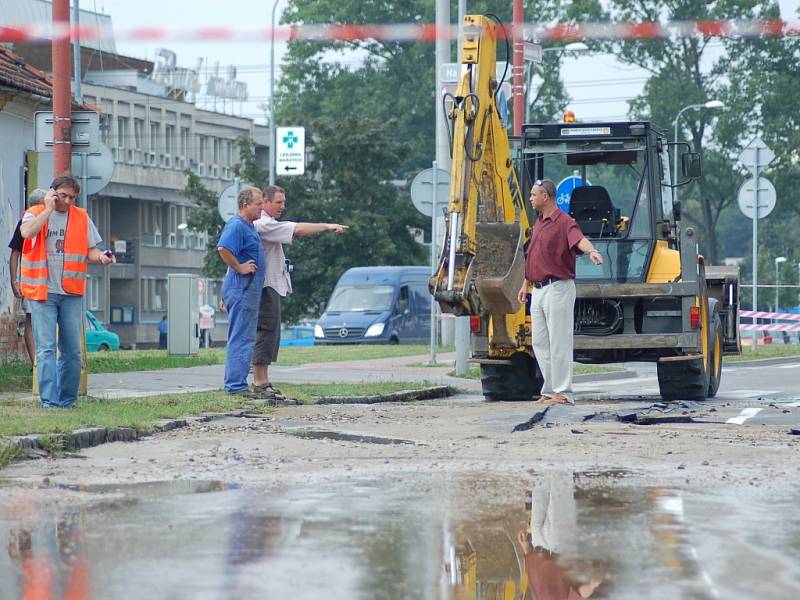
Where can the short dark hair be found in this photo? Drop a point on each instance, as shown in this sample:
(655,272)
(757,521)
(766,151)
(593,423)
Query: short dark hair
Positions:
(271,190)
(66,181)
(246,196)
(548,185)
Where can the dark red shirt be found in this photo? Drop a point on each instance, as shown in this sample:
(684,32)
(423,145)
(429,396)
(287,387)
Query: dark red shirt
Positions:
(553,247)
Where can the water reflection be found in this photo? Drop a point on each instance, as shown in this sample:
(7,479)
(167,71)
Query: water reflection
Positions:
(50,561)
(562,535)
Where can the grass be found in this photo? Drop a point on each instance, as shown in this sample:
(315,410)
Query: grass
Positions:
(766,351)
(475,372)
(17,377)
(26,416)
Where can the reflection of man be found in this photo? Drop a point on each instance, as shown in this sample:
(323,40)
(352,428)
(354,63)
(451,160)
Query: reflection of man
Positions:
(60,241)
(550,269)
(277,282)
(34,198)
(547,579)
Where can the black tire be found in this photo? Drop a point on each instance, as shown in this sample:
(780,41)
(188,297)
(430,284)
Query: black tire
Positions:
(519,381)
(103,348)
(393,341)
(715,356)
(683,379)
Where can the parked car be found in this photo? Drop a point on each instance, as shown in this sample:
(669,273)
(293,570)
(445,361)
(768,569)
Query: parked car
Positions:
(98,338)
(299,335)
(378,305)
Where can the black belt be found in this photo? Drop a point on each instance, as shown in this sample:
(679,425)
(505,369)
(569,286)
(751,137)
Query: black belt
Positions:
(544,282)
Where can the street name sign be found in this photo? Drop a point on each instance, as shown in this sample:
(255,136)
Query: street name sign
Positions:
(290,150)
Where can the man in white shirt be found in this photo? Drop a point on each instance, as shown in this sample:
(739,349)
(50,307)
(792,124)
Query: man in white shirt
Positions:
(277,282)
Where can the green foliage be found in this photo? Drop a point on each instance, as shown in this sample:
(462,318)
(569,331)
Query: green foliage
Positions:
(204,216)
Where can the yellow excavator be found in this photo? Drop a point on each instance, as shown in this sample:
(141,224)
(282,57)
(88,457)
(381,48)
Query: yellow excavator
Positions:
(653,299)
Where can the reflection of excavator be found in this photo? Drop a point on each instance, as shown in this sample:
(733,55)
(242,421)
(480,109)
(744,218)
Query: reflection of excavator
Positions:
(652,299)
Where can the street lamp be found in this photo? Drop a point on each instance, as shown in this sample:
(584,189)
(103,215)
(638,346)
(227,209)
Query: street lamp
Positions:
(272,96)
(711,105)
(573,47)
(778,260)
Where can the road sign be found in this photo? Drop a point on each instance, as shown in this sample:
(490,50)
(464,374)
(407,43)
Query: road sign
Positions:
(532,52)
(767,197)
(290,150)
(84,131)
(756,149)
(99,168)
(564,191)
(422,190)
(228,203)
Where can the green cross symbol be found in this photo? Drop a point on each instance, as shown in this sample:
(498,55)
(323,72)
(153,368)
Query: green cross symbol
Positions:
(290,139)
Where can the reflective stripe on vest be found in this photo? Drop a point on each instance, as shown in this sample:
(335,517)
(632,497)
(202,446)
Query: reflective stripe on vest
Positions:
(33,274)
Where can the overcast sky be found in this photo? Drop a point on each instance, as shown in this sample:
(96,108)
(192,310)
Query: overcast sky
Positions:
(598,85)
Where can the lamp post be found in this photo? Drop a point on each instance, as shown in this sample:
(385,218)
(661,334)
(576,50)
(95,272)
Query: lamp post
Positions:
(711,105)
(778,261)
(574,47)
(272,96)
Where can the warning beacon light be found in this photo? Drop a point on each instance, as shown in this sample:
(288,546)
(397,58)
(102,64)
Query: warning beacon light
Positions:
(569,116)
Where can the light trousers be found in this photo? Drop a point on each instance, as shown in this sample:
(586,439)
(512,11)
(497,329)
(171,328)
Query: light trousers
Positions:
(552,326)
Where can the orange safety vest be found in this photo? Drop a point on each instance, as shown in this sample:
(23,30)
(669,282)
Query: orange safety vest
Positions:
(33,275)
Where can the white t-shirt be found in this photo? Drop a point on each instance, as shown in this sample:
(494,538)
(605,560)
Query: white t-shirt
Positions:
(273,235)
(56,231)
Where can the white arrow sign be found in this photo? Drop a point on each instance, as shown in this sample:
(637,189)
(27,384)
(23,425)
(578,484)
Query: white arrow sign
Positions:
(290,150)
(756,155)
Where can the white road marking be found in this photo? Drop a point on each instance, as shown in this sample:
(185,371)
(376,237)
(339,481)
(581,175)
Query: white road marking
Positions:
(792,404)
(789,366)
(747,413)
(748,393)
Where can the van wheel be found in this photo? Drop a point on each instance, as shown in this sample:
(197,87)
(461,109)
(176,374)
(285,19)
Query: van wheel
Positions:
(103,348)
(519,381)
(393,340)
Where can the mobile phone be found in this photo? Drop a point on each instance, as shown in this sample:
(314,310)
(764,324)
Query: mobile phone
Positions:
(108,253)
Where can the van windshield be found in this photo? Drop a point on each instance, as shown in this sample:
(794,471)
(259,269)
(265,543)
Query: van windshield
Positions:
(361,298)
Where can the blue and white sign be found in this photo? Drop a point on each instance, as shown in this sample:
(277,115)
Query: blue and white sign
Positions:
(564,190)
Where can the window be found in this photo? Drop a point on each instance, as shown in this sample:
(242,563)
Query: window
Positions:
(138,134)
(154,292)
(151,217)
(93,293)
(123,133)
(201,155)
(216,150)
(169,139)
(172,226)
(200,240)
(154,125)
(184,141)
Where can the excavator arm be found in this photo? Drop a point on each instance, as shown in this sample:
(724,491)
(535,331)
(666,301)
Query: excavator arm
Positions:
(481,267)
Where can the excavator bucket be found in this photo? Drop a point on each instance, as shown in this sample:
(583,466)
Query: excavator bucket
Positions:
(499,268)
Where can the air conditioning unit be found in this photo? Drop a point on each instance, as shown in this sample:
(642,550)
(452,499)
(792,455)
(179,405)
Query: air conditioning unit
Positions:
(201,170)
(215,171)
(166,161)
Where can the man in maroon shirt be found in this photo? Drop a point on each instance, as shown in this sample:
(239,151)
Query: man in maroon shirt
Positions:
(550,277)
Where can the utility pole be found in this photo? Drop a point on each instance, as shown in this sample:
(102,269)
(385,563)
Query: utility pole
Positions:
(62,97)
(518,68)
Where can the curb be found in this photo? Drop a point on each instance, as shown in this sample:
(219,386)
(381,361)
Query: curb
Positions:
(439,391)
(757,362)
(626,374)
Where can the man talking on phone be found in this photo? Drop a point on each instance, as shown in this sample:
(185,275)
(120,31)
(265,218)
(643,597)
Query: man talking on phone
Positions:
(60,241)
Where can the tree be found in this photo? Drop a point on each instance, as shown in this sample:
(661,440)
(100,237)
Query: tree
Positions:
(204,216)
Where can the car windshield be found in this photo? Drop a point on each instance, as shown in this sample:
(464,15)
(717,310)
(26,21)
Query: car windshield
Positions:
(361,298)
(612,209)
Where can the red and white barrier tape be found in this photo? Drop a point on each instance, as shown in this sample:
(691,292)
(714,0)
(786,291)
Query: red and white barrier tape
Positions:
(770,315)
(771,327)
(403,32)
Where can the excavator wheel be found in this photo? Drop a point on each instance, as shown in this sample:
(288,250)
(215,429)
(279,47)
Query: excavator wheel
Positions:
(715,356)
(519,381)
(682,378)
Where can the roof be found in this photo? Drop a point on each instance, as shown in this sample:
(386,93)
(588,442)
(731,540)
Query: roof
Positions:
(15,73)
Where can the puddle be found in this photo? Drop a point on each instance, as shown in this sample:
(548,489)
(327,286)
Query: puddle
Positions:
(597,534)
(315,434)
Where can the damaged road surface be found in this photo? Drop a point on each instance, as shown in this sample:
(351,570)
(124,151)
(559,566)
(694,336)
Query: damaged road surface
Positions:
(619,496)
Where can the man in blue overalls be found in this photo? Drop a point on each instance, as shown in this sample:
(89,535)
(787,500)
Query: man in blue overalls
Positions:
(240,248)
